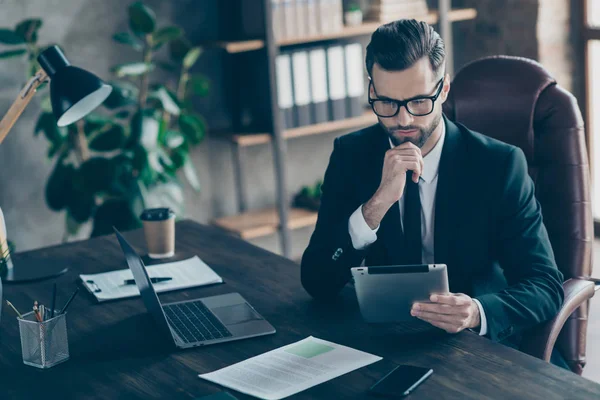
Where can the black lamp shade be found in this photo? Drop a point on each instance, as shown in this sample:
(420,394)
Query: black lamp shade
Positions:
(74,92)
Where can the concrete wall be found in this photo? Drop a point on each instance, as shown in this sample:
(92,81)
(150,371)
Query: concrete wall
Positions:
(84,29)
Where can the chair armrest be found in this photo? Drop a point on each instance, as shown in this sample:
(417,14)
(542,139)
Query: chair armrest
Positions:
(540,340)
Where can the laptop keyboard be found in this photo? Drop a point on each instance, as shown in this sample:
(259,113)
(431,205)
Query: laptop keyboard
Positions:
(194,322)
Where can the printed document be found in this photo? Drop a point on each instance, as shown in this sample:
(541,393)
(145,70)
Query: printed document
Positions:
(186,273)
(290,369)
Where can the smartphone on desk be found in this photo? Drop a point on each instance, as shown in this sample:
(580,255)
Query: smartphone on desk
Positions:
(400,381)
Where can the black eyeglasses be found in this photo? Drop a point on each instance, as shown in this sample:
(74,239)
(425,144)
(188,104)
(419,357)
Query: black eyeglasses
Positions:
(417,106)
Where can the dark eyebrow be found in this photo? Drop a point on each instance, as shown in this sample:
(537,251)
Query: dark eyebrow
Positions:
(409,99)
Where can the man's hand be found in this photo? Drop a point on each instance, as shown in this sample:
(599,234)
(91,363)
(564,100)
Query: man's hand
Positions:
(398,160)
(452,312)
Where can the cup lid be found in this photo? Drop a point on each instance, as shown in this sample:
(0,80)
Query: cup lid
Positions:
(157,214)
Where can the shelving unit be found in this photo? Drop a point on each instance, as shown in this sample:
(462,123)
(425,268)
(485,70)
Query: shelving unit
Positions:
(463,14)
(283,218)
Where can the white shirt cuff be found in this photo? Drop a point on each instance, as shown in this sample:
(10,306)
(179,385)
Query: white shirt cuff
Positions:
(360,232)
(482,318)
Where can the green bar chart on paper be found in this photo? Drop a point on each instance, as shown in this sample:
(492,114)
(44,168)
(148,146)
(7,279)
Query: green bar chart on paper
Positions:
(309,349)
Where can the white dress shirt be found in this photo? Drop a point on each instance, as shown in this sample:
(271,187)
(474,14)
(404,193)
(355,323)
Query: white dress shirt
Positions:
(362,235)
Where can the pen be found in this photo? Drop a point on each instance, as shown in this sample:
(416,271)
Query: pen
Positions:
(69,301)
(53,301)
(153,280)
(36,311)
(13,307)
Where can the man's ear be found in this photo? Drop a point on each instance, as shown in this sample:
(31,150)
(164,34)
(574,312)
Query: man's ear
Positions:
(446,88)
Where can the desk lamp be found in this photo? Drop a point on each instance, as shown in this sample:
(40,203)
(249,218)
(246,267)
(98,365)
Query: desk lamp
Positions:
(74,93)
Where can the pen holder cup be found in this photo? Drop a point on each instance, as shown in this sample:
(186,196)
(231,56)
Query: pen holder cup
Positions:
(44,344)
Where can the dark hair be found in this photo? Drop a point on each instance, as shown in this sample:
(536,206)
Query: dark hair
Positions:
(400,44)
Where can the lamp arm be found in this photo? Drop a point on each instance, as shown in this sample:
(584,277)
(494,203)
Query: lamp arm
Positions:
(19,105)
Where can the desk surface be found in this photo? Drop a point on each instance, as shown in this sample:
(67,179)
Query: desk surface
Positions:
(116,354)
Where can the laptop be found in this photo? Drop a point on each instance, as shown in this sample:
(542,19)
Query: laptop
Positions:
(197,322)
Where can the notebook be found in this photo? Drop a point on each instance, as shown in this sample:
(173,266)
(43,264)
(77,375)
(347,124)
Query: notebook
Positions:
(188,273)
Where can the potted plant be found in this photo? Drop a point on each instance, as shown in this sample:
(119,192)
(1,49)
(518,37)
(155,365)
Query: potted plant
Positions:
(309,197)
(353,15)
(129,154)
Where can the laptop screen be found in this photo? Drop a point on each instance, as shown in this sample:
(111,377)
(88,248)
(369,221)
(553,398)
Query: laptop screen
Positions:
(142,280)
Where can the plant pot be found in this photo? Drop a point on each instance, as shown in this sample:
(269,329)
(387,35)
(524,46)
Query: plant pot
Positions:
(353,18)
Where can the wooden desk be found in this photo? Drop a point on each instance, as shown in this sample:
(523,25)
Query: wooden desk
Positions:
(115,353)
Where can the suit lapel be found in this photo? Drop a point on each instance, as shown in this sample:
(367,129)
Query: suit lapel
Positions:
(447,202)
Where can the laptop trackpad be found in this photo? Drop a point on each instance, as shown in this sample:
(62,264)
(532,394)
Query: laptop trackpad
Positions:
(236,314)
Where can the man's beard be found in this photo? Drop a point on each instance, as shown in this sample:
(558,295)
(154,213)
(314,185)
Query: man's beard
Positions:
(422,137)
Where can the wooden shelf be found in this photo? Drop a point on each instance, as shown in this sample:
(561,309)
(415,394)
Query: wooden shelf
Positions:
(460,14)
(252,139)
(254,224)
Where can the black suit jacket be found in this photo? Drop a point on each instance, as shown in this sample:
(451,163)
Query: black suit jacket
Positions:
(488,227)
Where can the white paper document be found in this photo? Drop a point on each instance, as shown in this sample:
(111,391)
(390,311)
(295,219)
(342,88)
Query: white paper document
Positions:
(290,369)
(186,273)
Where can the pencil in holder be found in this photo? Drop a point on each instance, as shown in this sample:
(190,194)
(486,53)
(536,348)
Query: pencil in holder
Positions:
(44,344)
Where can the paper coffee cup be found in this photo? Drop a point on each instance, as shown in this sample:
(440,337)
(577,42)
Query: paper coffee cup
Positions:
(159,231)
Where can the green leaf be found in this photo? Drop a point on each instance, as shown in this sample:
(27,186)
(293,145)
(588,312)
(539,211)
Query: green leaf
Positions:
(168,100)
(110,140)
(193,127)
(166,34)
(199,85)
(71,225)
(12,53)
(190,174)
(123,94)
(179,157)
(47,124)
(179,48)
(191,57)
(166,66)
(98,174)
(124,114)
(28,29)
(59,187)
(117,213)
(173,139)
(132,69)
(142,19)
(128,39)
(8,36)
(46,104)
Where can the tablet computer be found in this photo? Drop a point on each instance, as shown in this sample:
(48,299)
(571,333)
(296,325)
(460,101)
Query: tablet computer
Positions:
(387,293)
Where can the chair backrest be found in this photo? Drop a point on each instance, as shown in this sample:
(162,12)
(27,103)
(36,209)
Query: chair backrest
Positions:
(517,101)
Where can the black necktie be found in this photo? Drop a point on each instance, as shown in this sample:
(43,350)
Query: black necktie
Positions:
(412,221)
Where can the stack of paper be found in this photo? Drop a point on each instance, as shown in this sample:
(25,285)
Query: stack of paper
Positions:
(392,10)
(290,369)
(187,273)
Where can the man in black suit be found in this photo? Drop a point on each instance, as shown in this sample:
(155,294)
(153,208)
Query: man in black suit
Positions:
(418,188)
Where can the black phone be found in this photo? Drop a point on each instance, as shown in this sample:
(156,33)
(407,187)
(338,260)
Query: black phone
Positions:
(400,381)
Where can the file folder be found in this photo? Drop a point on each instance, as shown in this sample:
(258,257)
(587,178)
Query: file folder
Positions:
(318,83)
(336,82)
(355,80)
(285,97)
(300,79)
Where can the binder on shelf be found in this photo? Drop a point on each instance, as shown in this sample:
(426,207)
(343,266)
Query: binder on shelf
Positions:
(355,81)
(337,15)
(318,84)
(301,82)
(336,78)
(301,12)
(312,18)
(289,18)
(278,21)
(285,99)
(323,17)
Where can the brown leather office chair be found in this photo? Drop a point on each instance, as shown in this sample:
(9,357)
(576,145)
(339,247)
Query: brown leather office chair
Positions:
(517,101)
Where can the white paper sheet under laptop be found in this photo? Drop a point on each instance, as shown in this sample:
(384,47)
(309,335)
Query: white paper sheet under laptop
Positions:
(290,369)
(186,273)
